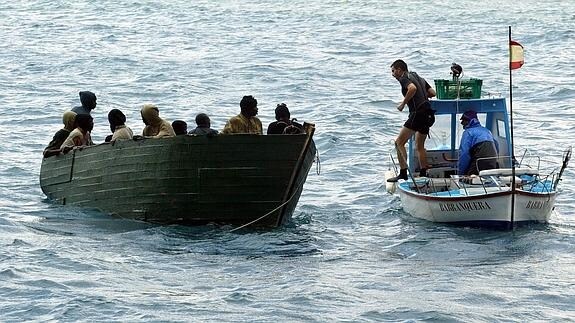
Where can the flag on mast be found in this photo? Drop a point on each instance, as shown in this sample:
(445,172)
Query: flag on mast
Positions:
(516,58)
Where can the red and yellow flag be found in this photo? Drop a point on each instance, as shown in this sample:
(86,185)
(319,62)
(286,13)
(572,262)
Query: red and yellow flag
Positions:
(516,58)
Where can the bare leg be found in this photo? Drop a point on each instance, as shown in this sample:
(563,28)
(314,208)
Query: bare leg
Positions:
(421,152)
(400,142)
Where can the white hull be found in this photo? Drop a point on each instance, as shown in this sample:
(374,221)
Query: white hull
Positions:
(491,208)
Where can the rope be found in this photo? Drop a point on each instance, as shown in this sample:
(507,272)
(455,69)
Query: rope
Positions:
(393,164)
(408,170)
(318,163)
(249,223)
(270,212)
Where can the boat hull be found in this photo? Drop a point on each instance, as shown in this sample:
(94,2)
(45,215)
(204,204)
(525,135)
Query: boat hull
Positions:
(233,179)
(491,209)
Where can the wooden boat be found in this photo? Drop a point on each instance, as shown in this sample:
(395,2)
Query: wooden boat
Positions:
(518,192)
(232,179)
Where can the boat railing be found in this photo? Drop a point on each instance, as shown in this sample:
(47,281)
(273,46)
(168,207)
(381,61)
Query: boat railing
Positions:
(526,161)
(542,182)
(528,177)
(453,186)
(489,181)
(529,160)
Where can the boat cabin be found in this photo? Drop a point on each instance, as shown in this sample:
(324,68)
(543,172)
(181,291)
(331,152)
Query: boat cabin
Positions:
(443,144)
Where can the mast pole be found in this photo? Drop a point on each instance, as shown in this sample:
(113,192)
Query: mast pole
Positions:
(512,145)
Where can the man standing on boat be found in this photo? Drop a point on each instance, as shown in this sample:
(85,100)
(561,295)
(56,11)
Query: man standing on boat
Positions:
(477,149)
(246,121)
(416,93)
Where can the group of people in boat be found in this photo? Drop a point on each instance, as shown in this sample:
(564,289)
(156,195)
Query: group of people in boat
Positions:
(478,149)
(78,124)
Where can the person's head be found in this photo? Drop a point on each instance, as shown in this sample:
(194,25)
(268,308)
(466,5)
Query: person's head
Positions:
(467,117)
(398,68)
(249,106)
(69,119)
(203,121)
(282,112)
(116,118)
(84,122)
(180,127)
(88,99)
(150,114)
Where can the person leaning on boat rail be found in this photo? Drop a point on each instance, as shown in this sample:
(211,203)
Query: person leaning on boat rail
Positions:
(120,131)
(180,127)
(80,136)
(69,119)
(203,126)
(88,101)
(476,143)
(283,123)
(246,121)
(156,127)
(416,93)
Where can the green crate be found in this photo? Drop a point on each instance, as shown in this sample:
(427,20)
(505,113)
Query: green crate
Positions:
(468,89)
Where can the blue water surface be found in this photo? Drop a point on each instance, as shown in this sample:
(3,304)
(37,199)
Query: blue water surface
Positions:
(350,253)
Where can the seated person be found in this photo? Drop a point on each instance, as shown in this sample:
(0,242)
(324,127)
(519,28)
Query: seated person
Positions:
(53,148)
(180,127)
(203,126)
(284,125)
(476,142)
(80,136)
(156,127)
(120,131)
(246,121)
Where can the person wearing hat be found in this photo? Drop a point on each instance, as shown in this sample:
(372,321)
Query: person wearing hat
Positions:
(69,120)
(476,143)
(156,127)
(88,100)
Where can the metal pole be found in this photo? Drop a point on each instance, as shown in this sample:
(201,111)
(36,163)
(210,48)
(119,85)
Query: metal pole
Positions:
(512,146)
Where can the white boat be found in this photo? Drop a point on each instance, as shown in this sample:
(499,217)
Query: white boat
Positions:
(519,192)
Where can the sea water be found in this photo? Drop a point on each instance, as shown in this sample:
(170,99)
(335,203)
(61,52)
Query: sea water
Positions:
(350,253)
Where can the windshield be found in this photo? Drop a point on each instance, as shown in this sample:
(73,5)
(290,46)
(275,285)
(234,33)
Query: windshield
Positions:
(440,136)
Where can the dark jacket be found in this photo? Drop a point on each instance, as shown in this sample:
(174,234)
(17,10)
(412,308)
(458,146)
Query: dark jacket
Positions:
(279,127)
(58,139)
(203,131)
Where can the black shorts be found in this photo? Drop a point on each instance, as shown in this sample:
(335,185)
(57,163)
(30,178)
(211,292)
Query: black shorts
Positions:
(419,121)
